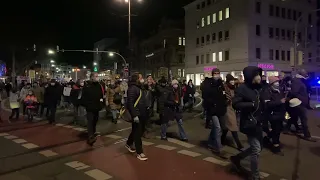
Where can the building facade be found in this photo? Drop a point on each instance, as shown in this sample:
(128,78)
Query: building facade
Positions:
(233,34)
(163,54)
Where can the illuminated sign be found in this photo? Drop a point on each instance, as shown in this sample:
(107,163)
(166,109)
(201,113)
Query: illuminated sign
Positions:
(209,68)
(149,55)
(266,66)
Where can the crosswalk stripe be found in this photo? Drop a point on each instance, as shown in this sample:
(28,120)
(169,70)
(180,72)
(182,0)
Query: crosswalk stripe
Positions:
(11,137)
(166,147)
(189,153)
(29,146)
(60,124)
(48,153)
(146,143)
(264,175)
(68,126)
(19,141)
(79,129)
(75,164)
(98,175)
(112,136)
(181,143)
(216,161)
(4,134)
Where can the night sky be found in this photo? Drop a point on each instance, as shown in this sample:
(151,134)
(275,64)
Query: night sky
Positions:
(77,24)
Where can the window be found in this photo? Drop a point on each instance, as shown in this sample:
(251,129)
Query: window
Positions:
(220,36)
(198,25)
(214,57)
(294,15)
(198,41)
(208,2)
(309,57)
(180,41)
(198,6)
(270,32)
(277,11)
(288,55)
(289,14)
(202,59)
(197,59)
(202,40)
(202,22)
(289,35)
(214,18)
(277,54)
(208,39)
(299,36)
(208,58)
(277,33)
(283,13)
(309,36)
(220,15)
(179,72)
(271,10)
(299,15)
(208,20)
(258,53)
(213,37)
(183,41)
(283,55)
(310,19)
(227,13)
(226,55)
(283,34)
(258,7)
(220,56)
(258,30)
(271,54)
(203,4)
(226,35)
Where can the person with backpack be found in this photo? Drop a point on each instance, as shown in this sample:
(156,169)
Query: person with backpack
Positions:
(137,108)
(114,98)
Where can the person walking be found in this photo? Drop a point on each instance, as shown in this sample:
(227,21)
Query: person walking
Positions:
(230,118)
(14,104)
(189,96)
(75,97)
(114,97)
(137,108)
(39,93)
(53,95)
(92,99)
(23,94)
(247,101)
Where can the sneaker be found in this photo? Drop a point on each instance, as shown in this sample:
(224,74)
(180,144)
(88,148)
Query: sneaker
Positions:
(221,154)
(91,140)
(236,163)
(185,140)
(164,138)
(97,134)
(130,148)
(142,157)
(277,150)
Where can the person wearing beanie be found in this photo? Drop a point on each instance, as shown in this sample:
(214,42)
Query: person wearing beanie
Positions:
(173,110)
(230,118)
(274,102)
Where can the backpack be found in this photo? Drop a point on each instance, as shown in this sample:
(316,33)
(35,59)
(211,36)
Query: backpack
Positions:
(117,98)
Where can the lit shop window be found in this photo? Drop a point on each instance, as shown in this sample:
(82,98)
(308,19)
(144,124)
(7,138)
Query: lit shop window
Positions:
(202,22)
(179,72)
(198,80)
(180,41)
(220,56)
(220,15)
(183,71)
(208,20)
(214,57)
(214,18)
(183,41)
(227,13)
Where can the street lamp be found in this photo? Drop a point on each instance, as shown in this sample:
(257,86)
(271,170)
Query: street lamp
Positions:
(95,63)
(84,67)
(51,61)
(111,54)
(51,51)
(52,65)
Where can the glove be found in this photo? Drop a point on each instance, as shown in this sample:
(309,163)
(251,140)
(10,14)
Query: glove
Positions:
(136,119)
(190,95)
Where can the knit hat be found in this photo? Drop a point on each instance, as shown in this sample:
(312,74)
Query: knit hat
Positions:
(273,79)
(229,78)
(53,81)
(215,70)
(174,82)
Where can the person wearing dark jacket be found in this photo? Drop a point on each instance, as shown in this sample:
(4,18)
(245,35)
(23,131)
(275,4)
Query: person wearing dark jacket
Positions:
(188,99)
(162,91)
(274,112)
(247,101)
(92,99)
(215,102)
(75,97)
(299,91)
(137,108)
(52,96)
(173,110)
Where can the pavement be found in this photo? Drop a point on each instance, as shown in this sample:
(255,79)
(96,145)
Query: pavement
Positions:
(39,151)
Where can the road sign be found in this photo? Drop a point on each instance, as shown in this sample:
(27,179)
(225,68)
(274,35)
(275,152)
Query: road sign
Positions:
(32,74)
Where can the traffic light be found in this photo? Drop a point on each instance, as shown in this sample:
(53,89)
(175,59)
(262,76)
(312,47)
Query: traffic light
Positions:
(95,69)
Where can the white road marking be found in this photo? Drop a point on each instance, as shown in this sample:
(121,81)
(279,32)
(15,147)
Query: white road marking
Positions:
(112,136)
(4,134)
(316,137)
(69,126)
(121,141)
(75,164)
(29,146)
(189,153)
(98,175)
(200,103)
(124,129)
(11,137)
(48,153)
(169,148)
(216,161)
(80,129)
(60,124)
(19,141)
(181,143)
(82,167)
(264,175)
(197,115)
(146,143)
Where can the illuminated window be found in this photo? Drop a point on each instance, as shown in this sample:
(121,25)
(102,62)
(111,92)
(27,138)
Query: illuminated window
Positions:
(220,56)
(184,41)
(227,13)
(202,22)
(179,72)
(214,18)
(180,41)
(208,20)
(214,57)
(220,15)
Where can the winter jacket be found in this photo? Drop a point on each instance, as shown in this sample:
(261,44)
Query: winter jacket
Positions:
(189,91)
(92,96)
(247,101)
(52,95)
(162,95)
(214,99)
(24,93)
(14,100)
(172,105)
(273,108)
(39,93)
(110,97)
(299,90)
(133,95)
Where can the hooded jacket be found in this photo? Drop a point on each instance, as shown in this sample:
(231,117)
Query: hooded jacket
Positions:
(247,101)
(92,96)
(274,109)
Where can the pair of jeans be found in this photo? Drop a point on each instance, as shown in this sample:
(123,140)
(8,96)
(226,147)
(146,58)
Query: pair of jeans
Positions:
(52,112)
(254,152)
(300,112)
(214,140)
(136,134)
(274,134)
(163,131)
(234,136)
(15,112)
(92,118)
(114,113)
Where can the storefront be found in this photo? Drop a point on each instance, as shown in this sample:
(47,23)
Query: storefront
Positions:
(268,70)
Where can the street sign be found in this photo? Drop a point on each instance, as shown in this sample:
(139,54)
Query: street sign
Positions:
(32,74)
